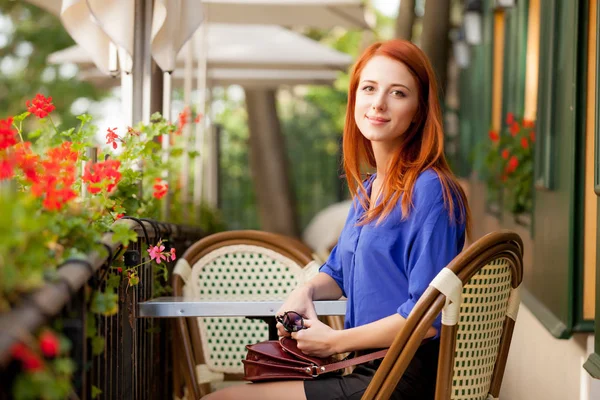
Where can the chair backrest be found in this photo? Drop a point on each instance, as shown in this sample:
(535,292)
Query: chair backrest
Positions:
(234,265)
(478,296)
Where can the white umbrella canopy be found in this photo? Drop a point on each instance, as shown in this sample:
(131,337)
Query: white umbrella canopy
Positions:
(245,46)
(95,23)
(173,23)
(324,14)
(248,78)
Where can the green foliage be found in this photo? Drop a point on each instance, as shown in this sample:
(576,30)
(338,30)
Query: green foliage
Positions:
(52,212)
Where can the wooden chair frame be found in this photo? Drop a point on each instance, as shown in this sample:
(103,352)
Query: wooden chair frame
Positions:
(189,347)
(501,244)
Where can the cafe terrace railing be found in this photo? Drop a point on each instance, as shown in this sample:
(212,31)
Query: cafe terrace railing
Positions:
(136,362)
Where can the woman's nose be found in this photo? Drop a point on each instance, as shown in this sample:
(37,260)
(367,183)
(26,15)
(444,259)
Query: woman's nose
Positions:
(378,104)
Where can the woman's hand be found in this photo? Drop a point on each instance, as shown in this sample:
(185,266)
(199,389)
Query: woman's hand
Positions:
(317,339)
(300,301)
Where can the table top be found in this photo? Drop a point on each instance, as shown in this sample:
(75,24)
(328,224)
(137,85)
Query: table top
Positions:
(173,307)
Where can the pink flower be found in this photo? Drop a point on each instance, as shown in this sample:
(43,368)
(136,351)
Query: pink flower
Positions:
(156,252)
(173,257)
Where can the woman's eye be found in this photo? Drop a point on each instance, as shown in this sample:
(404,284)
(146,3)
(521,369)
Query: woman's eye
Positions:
(398,93)
(368,89)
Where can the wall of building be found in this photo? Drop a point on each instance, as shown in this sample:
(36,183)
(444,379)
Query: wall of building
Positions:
(539,365)
(542,367)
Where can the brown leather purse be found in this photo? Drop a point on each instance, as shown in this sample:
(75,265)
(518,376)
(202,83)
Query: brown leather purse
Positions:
(282,360)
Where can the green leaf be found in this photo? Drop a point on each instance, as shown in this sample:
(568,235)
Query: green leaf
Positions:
(113,281)
(21,117)
(176,152)
(90,325)
(84,118)
(134,279)
(193,154)
(24,388)
(95,392)
(123,234)
(97,345)
(105,303)
(64,366)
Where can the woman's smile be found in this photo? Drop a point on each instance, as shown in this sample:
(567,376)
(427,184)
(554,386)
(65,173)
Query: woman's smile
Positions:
(377,120)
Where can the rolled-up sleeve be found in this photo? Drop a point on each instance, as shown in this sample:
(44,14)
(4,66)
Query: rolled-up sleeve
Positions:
(333,268)
(435,240)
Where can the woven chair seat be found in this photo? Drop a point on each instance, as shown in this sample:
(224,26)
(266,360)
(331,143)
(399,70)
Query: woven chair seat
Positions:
(232,266)
(239,273)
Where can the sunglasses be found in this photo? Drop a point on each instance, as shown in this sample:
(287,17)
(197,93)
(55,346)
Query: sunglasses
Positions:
(291,321)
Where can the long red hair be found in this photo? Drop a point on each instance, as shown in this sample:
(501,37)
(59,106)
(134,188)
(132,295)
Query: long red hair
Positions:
(422,145)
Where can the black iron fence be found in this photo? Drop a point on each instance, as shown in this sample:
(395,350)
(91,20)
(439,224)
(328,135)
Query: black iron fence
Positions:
(136,362)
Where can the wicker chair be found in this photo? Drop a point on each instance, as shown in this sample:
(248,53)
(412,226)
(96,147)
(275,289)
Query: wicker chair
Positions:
(233,265)
(478,296)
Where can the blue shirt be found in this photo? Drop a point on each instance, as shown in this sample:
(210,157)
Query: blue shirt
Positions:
(385,269)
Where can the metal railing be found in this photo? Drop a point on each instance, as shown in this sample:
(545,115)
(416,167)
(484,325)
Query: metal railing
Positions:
(136,362)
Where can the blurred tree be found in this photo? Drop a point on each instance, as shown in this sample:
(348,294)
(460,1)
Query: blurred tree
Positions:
(27,36)
(405,19)
(434,40)
(311,121)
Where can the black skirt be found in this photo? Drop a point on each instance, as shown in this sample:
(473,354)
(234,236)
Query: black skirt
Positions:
(417,383)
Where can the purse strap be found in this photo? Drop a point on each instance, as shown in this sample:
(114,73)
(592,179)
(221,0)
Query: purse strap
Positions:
(316,371)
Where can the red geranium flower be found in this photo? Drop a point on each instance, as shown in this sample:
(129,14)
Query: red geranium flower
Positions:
(102,174)
(494,136)
(513,163)
(111,137)
(40,106)
(510,118)
(160,188)
(524,143)
(7,134)
(28,161)
(528,123)
(532,136)
(514,129)
(505,154)
(49,344)
(6,170)
(56,177)
(32,363)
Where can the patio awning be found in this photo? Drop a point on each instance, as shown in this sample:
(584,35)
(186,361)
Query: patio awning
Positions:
(245,46)
(249,78)
(322,14)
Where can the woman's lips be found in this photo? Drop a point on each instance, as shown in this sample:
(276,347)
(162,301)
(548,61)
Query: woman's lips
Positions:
(377,120)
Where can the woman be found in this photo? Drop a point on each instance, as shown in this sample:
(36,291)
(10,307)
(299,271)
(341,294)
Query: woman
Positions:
(408,222)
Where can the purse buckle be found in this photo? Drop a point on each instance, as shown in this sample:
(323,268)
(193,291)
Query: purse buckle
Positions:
(313,370)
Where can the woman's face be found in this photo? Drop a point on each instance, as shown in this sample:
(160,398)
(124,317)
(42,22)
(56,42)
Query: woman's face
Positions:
(386,100)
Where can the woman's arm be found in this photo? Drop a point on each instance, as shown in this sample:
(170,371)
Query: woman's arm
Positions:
(322,341)
(323,287)
(376,335)
(320,287)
